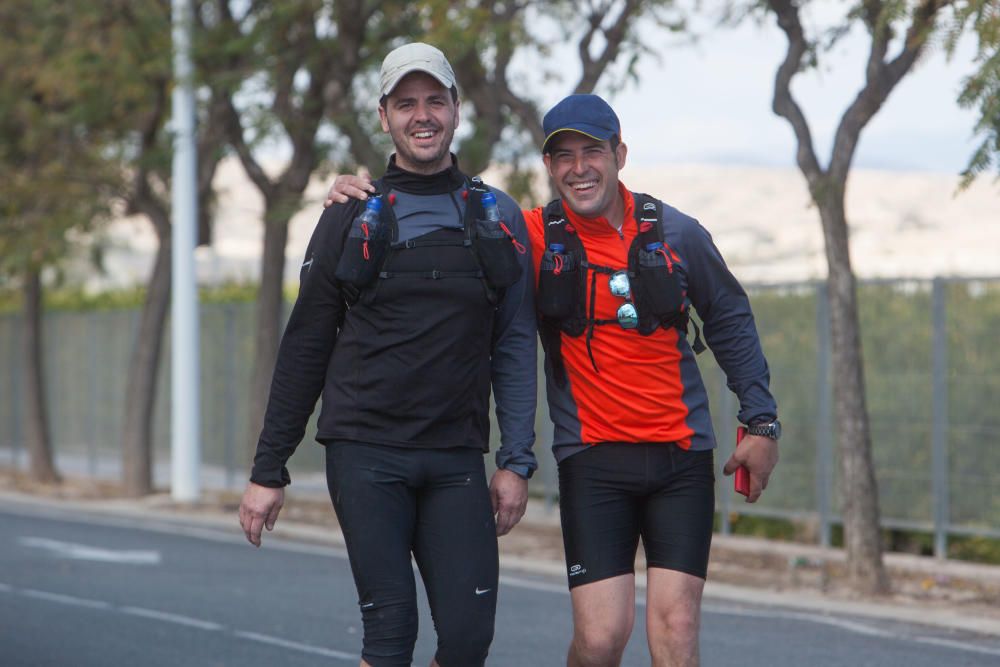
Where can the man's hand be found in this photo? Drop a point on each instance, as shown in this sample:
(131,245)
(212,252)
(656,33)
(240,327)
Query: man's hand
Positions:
(759,454)
(509,492)
(259,508)
(346,186)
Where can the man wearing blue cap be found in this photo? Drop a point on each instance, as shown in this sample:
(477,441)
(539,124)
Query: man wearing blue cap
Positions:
(617,273)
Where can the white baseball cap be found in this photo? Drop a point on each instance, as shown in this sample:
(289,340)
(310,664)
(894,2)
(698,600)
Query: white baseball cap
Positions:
(414,57)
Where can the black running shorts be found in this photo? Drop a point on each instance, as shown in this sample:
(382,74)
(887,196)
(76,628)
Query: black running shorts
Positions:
(612,494)
(435,504)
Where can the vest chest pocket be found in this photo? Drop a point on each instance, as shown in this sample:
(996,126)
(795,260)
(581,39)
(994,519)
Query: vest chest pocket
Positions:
(364,250)
(660,293)
(496,253)
(558,284)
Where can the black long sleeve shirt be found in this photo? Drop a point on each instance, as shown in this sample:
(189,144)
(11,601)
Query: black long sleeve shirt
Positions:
(412,363)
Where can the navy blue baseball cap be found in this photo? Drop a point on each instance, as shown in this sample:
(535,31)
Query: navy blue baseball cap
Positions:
(586,114)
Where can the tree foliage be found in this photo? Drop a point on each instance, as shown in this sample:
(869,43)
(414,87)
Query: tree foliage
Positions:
(54,133)
(981,89)
(488,44)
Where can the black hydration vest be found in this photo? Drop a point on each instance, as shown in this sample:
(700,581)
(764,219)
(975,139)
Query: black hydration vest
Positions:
(562,282)
(368,258)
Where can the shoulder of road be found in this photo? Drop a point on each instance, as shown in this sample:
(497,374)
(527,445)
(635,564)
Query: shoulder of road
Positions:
(936,592)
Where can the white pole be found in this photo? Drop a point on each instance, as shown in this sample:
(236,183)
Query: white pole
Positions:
(185,446)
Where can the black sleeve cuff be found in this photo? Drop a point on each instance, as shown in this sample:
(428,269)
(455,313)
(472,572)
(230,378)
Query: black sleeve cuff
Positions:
(274,479)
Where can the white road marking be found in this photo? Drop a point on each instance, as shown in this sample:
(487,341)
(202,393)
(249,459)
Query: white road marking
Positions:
(178,619)
(65,599)
(85,552)
(952,643)
(167,526)
(296,646)
(530,584)
(853,626)
(546,587)
(171,618)
(160,525)
(843,624)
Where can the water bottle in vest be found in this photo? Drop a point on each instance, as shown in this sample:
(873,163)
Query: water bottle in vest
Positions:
(364,247)
(370,218)
(492,212)
(494,246)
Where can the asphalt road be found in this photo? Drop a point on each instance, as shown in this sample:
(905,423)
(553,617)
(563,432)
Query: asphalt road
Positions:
(82,590)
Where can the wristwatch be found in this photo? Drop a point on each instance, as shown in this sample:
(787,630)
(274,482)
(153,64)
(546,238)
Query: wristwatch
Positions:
(770,429)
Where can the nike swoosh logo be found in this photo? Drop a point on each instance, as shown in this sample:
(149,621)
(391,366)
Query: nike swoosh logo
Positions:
(481,591)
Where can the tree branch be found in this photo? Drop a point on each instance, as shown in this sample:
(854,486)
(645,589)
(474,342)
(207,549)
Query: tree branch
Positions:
(234,131)
(881,78)
(141,197)
(614,37)
(211,142)
(787,13)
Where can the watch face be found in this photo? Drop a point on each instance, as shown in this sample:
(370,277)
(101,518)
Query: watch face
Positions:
(771,430)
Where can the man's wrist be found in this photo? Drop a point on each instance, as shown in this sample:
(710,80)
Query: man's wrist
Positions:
(766,428)
(520,470)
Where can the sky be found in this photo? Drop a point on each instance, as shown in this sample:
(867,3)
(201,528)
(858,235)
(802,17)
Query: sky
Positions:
(710,102)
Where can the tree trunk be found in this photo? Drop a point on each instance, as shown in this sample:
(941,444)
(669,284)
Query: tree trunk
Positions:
(39,442)
(268,331)
(858,488)
(140,394)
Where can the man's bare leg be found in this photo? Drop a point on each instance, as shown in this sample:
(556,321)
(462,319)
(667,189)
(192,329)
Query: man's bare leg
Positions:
(603,615)
(673,617)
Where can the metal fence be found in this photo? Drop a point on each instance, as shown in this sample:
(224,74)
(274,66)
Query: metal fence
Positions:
(932,379)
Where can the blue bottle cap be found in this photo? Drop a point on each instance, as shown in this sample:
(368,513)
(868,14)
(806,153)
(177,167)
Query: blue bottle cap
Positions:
(489,199)
(652,247)
(556,247)
(374,203)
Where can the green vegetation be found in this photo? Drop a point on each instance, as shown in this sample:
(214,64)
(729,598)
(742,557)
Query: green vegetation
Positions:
(78,300)
(897,332)
(897,326)
(976,549)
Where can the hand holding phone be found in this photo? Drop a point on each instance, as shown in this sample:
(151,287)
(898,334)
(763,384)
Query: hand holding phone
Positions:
(741,479)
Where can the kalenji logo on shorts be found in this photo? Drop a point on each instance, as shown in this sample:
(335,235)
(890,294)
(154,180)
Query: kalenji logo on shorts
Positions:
(577,569)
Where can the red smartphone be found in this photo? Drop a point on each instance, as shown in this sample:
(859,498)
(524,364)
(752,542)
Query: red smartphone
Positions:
(741,478)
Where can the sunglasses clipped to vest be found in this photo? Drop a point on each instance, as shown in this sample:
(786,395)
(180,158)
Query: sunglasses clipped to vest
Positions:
(650,286)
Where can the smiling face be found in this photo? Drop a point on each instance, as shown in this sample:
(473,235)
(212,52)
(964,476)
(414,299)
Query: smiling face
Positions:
(585,172)
(421,117)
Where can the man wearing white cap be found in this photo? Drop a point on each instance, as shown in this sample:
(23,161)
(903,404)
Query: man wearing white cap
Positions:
(406,317)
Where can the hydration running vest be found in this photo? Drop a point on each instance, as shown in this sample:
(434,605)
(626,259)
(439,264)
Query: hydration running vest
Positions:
(655,287)
(369,257)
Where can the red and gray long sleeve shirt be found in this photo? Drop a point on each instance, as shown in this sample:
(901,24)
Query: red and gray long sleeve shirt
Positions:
(649,388)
